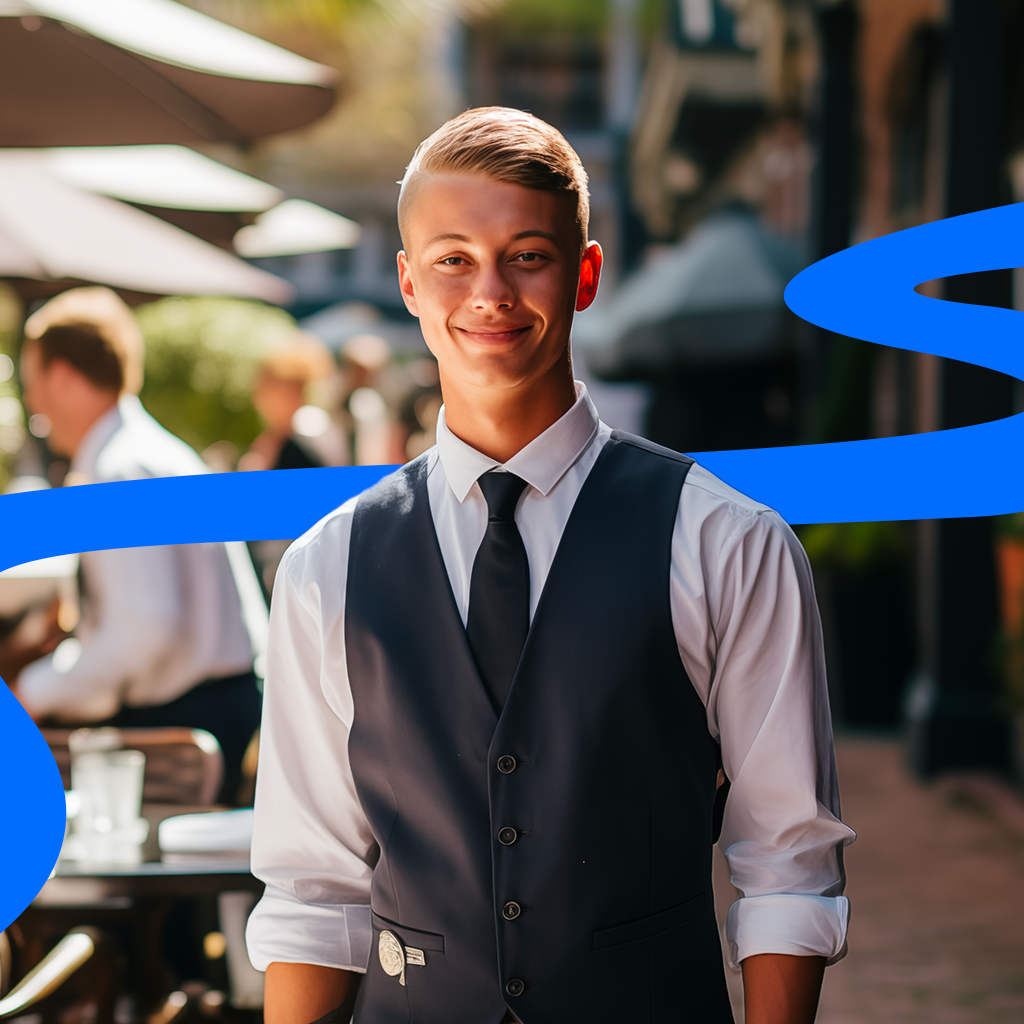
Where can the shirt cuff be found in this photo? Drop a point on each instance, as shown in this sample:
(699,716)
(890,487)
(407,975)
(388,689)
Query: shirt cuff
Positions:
(282,929)
(797,924)
(45,691)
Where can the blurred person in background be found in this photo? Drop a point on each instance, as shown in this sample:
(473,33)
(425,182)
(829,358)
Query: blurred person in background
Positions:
(279,396)
(375,432)
(295,435)
(164,638)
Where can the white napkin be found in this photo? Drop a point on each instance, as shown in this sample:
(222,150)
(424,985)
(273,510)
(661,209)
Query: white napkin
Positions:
(210,832)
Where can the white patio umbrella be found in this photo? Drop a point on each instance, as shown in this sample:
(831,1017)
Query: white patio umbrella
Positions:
(714,298)
(295,227)
(172,177)
(116,72)
(206,198)
(51,231)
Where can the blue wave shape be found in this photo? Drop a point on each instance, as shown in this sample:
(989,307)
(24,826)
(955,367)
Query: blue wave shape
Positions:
(135,513)
(865,292)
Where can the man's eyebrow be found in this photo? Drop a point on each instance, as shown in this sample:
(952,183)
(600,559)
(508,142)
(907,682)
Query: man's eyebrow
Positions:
(447,238)
(532,233)
(535,234)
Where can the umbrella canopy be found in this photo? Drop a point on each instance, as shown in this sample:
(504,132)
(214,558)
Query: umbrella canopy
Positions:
(50,231)
(339,323)
(173,177)
(295,227)
(712,299)
(117,72)
(205,198)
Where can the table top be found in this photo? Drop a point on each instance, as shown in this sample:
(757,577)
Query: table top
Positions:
(118,886)
(158,869)
(89,883)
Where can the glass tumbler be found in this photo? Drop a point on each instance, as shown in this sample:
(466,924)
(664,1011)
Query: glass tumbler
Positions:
(109,783)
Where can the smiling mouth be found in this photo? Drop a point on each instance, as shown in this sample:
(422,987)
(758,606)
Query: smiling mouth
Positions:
(492,337)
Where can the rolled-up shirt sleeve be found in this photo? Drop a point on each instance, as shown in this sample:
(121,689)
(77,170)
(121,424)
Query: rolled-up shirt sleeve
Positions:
(312,844)
(749,636)
(139,590)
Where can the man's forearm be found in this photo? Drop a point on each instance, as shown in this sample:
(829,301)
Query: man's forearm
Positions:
(781,989)
(303,993)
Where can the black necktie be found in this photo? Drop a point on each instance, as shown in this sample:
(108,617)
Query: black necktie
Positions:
(499,590)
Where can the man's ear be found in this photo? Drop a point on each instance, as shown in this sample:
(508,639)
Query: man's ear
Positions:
(590,276)
(405,283)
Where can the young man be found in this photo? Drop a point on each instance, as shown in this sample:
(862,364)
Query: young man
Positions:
(500,681)
(163,636)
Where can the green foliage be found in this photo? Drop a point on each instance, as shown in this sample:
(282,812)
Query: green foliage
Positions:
(201,358)
(321,14)
(844,410)
(554,15)
(11,418)
(853,546)
(1011,525)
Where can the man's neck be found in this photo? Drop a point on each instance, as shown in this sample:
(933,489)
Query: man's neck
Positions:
(87,420)
(498,422)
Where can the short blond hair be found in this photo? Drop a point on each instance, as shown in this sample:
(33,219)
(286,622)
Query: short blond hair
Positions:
(106,329)
(507,145)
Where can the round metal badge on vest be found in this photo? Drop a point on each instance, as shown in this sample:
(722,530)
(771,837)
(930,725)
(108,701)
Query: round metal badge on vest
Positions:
(392,956)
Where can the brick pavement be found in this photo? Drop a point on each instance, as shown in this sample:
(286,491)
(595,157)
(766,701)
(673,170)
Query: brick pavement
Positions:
(937,888)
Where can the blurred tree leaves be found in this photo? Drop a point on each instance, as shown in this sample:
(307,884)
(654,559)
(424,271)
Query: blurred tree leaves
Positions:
(854,546)
(201,357)
(540,15)
(11,425)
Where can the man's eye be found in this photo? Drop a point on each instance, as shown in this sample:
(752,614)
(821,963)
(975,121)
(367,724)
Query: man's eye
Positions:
(452,261)
(529,257)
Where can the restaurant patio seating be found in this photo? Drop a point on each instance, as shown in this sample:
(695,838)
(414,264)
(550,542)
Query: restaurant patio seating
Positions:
(183,773)
(50,977)
(183,766)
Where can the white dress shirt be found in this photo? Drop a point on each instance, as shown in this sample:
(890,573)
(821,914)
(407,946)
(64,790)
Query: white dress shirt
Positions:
(155,620)
(746,624)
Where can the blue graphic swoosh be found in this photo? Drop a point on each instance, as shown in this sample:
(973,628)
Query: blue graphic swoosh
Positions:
(865,292)
(135,513)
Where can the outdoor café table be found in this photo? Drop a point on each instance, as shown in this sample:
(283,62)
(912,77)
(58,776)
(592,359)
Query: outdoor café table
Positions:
(136,895)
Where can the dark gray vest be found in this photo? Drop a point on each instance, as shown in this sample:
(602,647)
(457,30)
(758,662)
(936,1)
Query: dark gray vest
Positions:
(598,906)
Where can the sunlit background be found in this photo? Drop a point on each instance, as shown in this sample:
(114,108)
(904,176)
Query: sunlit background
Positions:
(729,143)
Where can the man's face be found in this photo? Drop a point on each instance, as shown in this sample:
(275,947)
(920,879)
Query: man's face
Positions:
(36,382)
(277,400)
(493,272)
(44,389)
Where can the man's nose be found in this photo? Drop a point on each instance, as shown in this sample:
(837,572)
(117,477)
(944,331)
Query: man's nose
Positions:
(492,288)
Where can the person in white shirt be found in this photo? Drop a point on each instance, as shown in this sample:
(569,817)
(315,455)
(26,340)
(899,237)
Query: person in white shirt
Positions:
(163,638)
(489,747)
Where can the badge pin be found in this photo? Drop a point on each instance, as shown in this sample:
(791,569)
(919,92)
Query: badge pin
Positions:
(392,956)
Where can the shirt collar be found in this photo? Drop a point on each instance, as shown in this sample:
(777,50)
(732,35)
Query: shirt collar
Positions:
(101,432)
(542,463)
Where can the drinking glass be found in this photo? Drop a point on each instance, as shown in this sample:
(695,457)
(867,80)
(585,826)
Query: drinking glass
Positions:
(109,783)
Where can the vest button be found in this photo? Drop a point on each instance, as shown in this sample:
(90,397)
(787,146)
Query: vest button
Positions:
(515,986)
(511,911)
(507,836)
(506,764)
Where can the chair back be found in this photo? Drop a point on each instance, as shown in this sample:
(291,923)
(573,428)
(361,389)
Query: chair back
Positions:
(183,766)
(5,964)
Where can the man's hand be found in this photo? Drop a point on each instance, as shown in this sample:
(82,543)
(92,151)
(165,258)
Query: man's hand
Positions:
(303,993)
(34,638)
(781,989)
